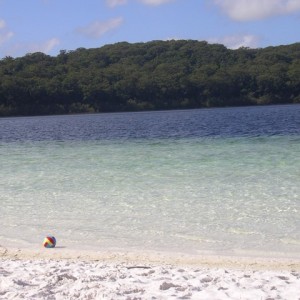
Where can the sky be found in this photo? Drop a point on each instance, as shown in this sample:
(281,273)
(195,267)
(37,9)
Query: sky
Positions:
(49,26)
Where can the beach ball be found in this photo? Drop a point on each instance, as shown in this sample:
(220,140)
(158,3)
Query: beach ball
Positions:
(49,242)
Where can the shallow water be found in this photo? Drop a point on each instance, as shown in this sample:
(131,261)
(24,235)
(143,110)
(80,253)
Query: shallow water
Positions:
(218,180)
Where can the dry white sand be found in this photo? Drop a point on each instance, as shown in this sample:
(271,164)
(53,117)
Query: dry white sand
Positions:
(58,274)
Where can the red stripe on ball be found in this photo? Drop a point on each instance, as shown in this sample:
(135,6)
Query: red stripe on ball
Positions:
(51,240)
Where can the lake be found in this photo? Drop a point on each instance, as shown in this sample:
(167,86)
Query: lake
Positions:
(220,181)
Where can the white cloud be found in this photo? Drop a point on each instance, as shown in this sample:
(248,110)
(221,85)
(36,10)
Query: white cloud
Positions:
(2,24)
(247,10)
(44,47)
(98,28)
(113,3)
(237,41)
(47,46)
(5,34)
(155,2)
(293,6)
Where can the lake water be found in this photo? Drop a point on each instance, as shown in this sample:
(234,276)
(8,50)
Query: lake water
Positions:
(223,181)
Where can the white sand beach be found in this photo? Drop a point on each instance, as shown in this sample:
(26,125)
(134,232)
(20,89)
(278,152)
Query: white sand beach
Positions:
(60,274)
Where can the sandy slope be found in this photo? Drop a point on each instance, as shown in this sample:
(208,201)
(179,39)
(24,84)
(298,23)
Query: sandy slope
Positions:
(59,274)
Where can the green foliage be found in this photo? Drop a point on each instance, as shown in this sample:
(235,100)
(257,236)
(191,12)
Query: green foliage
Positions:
(148,76)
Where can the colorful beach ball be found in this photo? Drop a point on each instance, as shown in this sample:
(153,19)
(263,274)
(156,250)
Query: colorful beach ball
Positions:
(49,242)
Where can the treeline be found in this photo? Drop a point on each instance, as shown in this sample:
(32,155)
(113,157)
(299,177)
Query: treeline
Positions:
(148,76)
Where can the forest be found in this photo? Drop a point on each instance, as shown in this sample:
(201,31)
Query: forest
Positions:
(156,75)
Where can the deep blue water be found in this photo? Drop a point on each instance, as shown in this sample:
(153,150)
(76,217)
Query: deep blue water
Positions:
(219,122)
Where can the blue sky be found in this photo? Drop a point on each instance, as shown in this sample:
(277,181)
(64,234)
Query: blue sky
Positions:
(48,26)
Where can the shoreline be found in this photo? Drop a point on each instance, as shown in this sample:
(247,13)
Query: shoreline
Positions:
(65,274)
(128,276)
(155,257)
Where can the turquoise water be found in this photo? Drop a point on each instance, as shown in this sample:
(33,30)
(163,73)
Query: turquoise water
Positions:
(218,193)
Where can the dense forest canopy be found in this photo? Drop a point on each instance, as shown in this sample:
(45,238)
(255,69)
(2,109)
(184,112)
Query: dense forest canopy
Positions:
(148,76)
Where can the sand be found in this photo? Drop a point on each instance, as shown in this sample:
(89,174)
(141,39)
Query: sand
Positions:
(60,274)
